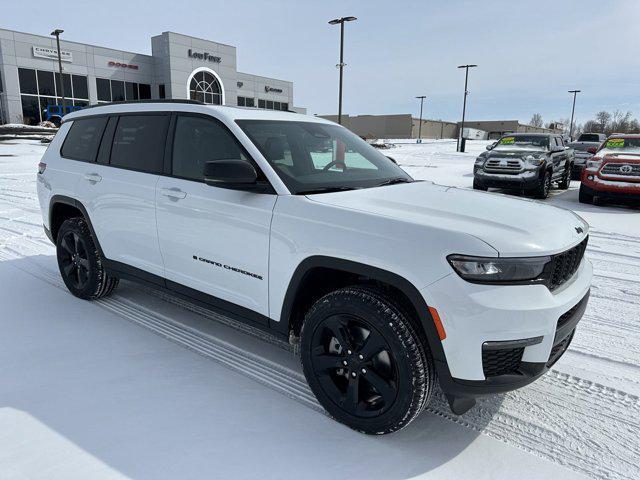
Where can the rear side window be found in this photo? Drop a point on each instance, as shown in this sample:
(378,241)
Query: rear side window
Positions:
(199,140)
(83,139)
(138,142)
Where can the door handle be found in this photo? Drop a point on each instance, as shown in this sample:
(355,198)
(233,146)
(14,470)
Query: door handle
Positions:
(173,193)
(92,177)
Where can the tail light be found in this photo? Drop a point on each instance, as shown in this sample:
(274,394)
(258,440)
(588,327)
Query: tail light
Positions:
(42,167)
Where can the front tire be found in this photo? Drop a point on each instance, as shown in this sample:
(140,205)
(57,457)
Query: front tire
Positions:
(477,186)
(584,197)
(80,262)
(364,361)
(544,186)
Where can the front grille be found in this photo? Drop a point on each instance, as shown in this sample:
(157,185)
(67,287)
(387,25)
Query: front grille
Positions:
(558,349)
(501,362)
(621,169)
(565,264)
(503,165)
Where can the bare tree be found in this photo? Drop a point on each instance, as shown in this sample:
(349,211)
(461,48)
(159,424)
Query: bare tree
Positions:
(602,118)
(536,120)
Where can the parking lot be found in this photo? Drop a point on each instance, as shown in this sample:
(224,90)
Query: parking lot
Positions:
(192,393)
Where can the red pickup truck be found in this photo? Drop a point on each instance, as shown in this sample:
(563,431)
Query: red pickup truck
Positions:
(613,173)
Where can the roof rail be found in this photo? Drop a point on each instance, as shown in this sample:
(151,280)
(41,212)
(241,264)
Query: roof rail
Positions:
(162,100)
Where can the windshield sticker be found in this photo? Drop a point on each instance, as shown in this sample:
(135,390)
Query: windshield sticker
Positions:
(615,143)
(507,141)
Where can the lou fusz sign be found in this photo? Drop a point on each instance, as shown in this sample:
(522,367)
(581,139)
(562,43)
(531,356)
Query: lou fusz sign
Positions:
(51,53)
(203,56)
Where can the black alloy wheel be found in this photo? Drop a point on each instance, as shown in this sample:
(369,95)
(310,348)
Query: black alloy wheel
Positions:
(364,361)
(81,265)
(74,259)
(355,365)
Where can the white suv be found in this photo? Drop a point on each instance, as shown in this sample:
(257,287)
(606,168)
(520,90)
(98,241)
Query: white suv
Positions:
(294,224)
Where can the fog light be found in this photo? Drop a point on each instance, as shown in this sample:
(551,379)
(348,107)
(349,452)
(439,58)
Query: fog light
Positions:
(590,177)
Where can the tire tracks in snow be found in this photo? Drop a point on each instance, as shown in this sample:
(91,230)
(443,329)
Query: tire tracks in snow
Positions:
(577,423)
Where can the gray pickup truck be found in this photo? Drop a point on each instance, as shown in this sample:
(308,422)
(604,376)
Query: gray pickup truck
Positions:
(584,148)
(527,162)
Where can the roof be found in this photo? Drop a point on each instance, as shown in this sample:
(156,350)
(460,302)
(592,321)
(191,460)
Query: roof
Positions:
(229,113)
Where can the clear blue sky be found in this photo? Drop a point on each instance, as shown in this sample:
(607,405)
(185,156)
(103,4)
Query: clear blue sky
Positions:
(529,53)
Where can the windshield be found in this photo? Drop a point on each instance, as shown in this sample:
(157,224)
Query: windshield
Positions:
(589,137)
(310,156)
(619,146)
(524,142)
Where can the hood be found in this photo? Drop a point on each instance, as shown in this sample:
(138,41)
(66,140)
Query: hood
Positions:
(512,226)
(515,153)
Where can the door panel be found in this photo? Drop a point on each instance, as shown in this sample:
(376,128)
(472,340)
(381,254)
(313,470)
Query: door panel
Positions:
(216,240)
(212,239)
(120,190)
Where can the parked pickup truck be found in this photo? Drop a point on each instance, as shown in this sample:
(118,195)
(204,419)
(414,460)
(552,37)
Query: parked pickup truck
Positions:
(584,148)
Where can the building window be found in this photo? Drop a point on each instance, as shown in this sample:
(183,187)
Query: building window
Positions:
(272,105)
(205,88)
(40,89)
(161,91)
(246,102)
(284,106)
(118,91)
(262,103)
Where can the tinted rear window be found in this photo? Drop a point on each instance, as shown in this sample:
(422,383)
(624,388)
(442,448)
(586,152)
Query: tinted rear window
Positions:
(138,143)
(83,139)
(589,137)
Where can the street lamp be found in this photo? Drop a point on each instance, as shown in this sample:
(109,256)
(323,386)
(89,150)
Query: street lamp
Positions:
(464,104)
(573,110)
(421,97)
(56,33)
(341,21)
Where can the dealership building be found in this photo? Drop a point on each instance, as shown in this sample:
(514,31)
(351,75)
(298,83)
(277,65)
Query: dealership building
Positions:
(179,67)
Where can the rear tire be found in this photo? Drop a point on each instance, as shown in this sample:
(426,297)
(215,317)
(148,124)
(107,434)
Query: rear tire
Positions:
(544,186)
(80,262)
(364,361)
(566,179)
(584,197)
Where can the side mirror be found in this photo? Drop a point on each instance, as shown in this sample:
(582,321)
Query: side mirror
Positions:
(491,146)
(392,159)
(229,173)
(592,150)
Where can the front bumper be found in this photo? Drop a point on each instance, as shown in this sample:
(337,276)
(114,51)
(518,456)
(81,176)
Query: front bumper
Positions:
(478,318)
(623,189)
(525,180)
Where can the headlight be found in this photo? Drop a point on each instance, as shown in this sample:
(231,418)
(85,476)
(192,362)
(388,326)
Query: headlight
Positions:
(594,163)
(533,160)
(499,270)
(480,160)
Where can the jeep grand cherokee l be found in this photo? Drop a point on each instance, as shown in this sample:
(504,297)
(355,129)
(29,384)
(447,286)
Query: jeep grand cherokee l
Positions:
(527,162)
(299,227)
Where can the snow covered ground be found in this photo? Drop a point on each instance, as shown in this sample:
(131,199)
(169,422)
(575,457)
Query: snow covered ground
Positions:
(144,385)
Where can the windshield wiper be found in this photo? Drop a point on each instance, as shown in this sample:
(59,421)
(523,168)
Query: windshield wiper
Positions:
(325,190)
(393,181)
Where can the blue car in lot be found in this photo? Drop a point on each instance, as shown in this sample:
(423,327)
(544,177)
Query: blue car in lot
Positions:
(53,113)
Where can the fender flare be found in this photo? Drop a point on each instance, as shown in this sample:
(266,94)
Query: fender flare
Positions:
(56,199)
(375,273)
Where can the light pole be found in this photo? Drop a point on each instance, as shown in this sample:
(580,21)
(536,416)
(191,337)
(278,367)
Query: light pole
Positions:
(573,110)
(56,33)
(421,97)
(464,104)
(341,21)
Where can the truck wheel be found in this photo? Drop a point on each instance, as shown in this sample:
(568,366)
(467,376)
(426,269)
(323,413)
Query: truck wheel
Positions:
(364,361)
(544,186)
(566,178)
(80,262)
(477,186)
(584,197)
